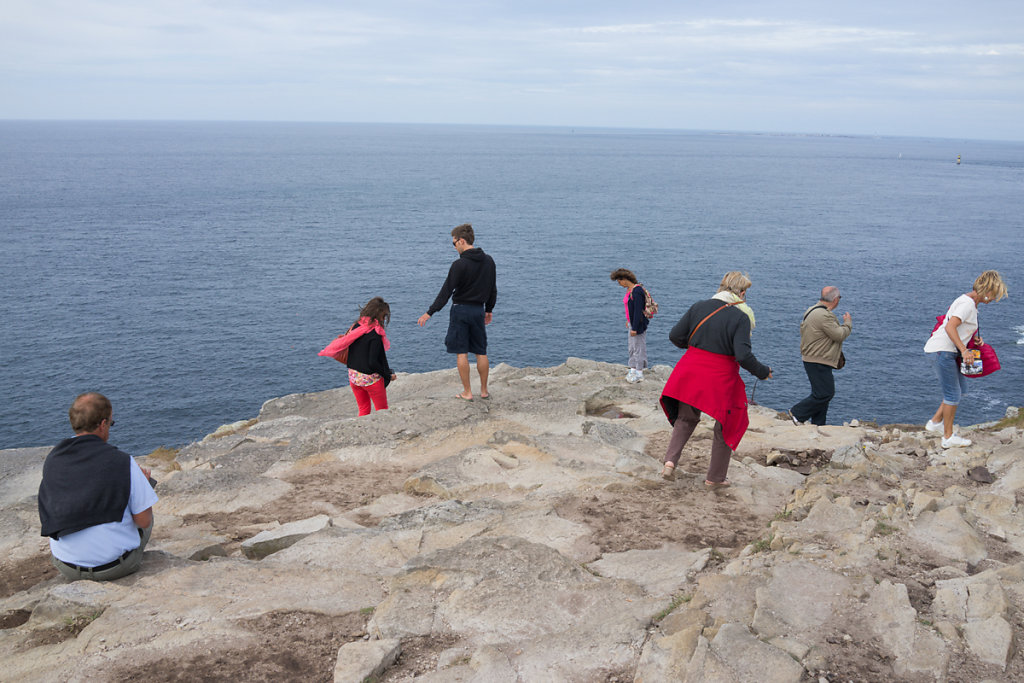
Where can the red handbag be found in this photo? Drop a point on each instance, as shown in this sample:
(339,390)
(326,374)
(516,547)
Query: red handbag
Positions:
(989,359)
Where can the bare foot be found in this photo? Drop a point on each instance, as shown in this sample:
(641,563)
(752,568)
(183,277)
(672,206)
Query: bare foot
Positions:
(464,397)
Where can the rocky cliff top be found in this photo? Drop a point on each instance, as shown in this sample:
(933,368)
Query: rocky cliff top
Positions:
(530,537)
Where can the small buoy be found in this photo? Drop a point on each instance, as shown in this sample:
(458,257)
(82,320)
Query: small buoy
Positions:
(957,159)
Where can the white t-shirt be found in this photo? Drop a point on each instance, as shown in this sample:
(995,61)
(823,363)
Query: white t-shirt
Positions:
(104,543)
(965,309)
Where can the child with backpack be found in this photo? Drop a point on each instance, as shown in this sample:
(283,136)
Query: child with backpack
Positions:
(640,307)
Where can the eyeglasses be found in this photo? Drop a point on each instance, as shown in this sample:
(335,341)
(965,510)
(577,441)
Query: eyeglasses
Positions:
(110,423)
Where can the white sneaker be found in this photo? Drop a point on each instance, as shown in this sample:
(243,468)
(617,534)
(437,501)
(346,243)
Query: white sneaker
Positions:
(639,374)
(930,426)
(955,440)
(631,376)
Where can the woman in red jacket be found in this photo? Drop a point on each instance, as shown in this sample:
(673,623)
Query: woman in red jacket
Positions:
(716,336)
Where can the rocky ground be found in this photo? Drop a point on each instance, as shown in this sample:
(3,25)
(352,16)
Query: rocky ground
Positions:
(530,537)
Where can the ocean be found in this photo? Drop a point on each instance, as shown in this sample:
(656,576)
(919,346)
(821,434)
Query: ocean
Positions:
(191,271)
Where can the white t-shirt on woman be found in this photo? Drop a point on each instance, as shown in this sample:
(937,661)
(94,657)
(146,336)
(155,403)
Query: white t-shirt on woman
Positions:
(965,309)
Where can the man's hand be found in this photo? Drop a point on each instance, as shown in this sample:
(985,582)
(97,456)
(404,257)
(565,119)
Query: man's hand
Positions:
(423,319)
(147,472)
(846,318)
(487,318)
(393,377)
(632,333)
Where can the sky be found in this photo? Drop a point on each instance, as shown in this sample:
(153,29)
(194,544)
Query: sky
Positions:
(874,67)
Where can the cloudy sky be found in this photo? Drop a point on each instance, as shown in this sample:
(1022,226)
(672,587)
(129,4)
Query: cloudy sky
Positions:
(896,67)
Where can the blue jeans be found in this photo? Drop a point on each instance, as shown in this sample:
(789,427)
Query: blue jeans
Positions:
(823,388)
(953,383)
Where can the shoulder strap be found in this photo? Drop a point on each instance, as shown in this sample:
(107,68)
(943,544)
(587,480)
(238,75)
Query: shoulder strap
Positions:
(706,318)
(811,311)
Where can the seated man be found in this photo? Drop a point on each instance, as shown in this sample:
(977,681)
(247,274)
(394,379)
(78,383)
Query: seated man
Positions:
(95,502)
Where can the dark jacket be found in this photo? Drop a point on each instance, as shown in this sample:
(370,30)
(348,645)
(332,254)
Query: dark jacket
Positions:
(366,355)
(726,332)
(471,280)
(86,482)
(638,322)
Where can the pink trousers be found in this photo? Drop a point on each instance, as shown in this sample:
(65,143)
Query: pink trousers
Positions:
(375,392)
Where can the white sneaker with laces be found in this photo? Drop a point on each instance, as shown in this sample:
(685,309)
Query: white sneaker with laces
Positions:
(955,440)
(930,426)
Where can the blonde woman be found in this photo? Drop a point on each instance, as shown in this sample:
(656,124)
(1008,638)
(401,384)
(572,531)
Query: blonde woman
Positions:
(948,340)
(716,336)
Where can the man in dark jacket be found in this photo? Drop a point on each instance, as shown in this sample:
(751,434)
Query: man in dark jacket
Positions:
(471,285)
(95,502)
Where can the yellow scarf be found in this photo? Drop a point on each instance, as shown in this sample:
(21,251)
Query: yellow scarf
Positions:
(730,298)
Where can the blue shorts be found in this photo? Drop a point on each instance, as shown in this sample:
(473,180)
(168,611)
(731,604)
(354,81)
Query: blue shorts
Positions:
(467,332)
(954,385)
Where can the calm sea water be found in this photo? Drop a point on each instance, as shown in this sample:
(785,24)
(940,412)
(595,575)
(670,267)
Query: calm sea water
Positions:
(191,271)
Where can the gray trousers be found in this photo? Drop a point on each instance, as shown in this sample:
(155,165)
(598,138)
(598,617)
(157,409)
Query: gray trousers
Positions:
(129,564)
(637,351)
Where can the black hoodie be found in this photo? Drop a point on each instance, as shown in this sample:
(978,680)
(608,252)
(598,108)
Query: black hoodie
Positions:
(471,280)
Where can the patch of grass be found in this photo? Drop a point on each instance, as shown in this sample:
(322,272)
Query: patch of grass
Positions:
(676,601)
(367,611)
(762,545)
(164,454)
(883,529)
(1010,422)
(75,624)
(715,556)
(782,515)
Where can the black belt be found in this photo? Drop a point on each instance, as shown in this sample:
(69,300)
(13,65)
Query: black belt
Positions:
(108,565)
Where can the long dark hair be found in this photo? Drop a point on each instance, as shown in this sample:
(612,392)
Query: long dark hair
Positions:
(376,309)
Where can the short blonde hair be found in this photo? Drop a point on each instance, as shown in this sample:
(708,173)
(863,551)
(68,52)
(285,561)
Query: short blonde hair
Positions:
(735,282)
(990,285)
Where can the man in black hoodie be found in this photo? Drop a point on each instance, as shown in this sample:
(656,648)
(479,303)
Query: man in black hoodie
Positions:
(95,502)
(471,285)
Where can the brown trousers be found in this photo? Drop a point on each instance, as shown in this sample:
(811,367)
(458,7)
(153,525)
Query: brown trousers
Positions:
(682,430)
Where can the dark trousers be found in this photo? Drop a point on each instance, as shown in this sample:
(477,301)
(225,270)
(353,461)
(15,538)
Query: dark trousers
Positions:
(823,388)
(682,430)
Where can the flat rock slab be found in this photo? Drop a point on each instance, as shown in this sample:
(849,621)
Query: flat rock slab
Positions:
(659,572)
(201,492)
(947,534)
(365,659)
(176,609)
(565,623)
(736,655)
(799,598)
(272,540)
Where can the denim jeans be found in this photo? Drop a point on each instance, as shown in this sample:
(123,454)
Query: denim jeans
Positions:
(823,387)
(953,383)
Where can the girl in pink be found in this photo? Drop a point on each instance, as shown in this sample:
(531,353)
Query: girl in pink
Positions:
(368,371)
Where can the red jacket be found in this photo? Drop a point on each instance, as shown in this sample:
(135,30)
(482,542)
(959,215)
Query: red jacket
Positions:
(710,382)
